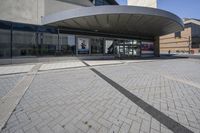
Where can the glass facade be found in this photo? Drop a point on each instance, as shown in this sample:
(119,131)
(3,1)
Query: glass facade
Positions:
(101,2)
(24,43)
(128,48)
(5,41)
(49,44)
(115,46)
(109,46)
(21,40)
(67,44)
(97,45)
(104,2)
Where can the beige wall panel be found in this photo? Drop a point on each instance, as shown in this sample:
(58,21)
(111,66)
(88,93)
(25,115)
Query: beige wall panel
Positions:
(146,3)
(31,11)
(24,11)
(53,6)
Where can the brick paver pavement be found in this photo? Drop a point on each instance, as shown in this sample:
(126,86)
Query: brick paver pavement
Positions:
(78,100)
(178,100)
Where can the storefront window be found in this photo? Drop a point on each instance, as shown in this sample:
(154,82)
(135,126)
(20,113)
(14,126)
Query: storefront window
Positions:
(127,48)
(97,45)
(67,44)
(24,43)
(49,44)
(5,40)
(100,2)
(109,47)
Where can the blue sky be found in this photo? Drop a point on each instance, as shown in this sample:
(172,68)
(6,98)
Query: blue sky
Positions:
(182,8)
(122,2)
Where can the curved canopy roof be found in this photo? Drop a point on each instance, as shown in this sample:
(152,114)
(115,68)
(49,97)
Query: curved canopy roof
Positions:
(124,20)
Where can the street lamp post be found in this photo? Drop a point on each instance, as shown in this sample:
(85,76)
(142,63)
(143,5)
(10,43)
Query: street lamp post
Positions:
(189,45)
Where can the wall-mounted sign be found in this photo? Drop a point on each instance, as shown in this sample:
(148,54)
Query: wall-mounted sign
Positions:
(83,45)
(147,47)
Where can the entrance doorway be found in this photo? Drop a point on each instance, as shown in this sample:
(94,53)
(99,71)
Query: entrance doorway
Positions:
(97,45)
(127,48)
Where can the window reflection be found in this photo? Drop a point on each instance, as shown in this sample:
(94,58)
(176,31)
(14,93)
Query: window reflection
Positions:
(5,43)
(97,45)
(67,44)
(109,46)
(24,43)
(49,44)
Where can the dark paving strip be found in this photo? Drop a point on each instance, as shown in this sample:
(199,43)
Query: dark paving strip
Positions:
(161,117)
(101,64)
(85,63)
(12,73)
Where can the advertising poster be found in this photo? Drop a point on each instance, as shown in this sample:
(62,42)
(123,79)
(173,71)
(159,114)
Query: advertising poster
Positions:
(147,48)
(83,45)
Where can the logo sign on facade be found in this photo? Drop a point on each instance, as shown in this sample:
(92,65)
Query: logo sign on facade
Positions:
(83,45)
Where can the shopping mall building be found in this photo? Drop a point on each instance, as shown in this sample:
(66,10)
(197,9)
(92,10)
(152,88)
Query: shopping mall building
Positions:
(186,41)
(40,28)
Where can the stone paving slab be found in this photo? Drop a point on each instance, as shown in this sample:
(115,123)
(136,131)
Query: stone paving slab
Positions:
(9,102)
(102,62)
(7,82)
(14,69)
(137,61)
(114,62)
(61,65)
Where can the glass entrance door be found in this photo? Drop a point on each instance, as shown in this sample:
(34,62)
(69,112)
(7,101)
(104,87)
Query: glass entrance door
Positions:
(127,49)
(97,46)
(136,50)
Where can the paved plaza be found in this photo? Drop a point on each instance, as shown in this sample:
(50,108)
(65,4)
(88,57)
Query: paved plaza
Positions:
(102,96)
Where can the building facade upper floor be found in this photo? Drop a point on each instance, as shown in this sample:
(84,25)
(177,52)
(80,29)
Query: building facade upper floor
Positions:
(32,11)
(144,3)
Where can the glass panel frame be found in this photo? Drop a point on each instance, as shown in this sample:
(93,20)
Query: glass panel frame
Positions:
(5,43)
(24,43)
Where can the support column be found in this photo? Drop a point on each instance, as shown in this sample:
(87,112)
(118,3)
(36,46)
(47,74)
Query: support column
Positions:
(37,43)
(157,46)
(90,47)
(11,41)
(189,44)
(76,44)
(58,48)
